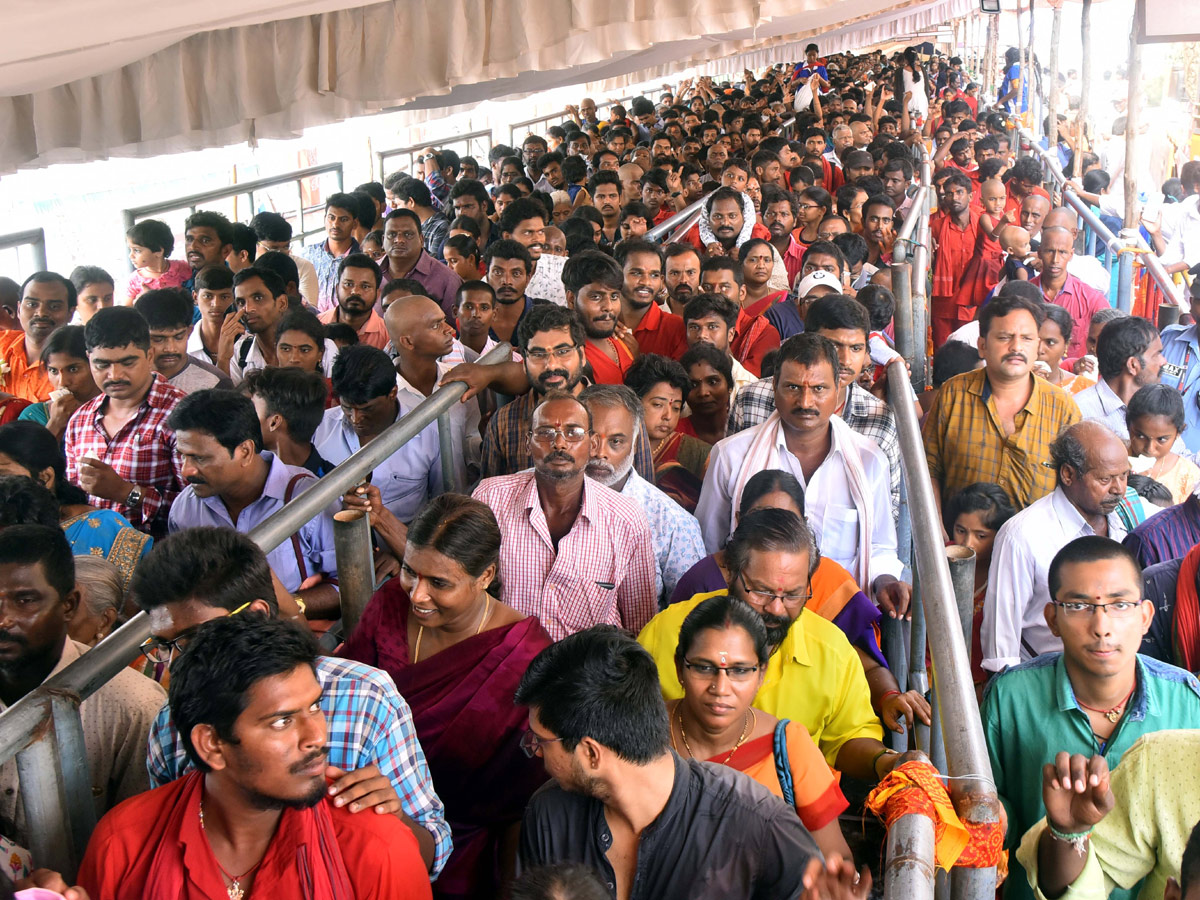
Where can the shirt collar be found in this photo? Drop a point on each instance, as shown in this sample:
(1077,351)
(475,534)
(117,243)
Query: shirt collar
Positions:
(1070,517)
(651,320)
(1109,401)
(794,646)
(1141,704)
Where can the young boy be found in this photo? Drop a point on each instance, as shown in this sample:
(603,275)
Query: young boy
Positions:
(219,327)
(168,312)
(150,243)
(476,308)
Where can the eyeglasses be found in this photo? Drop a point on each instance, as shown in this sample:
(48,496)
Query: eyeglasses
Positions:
(572,434)
(766,597)
(540,355)
(531,743)
(711,672)
(1117,609)
(159,651)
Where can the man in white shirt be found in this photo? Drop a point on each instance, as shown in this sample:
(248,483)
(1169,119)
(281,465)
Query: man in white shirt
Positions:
(421,338)
(1129,355)
(617,421)
(1092,467)
(274,232)
(845,475)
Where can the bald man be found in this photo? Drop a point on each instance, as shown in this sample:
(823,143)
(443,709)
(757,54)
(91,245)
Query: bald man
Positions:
(421,336)
(1060,287)
(631,182)
(1034,210)
(1083,266)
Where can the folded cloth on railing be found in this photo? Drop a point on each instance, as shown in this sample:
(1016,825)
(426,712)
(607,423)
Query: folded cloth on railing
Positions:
(916,787)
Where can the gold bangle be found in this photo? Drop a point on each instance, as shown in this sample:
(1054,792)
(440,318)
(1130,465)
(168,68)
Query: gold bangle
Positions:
(300,603)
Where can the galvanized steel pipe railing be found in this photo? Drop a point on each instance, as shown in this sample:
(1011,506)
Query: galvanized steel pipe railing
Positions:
(43,728)
(973,788)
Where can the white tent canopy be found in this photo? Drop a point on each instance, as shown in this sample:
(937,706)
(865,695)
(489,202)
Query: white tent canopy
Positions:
(75,85)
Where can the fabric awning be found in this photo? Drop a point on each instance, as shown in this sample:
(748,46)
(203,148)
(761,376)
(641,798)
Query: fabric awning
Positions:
(77,86)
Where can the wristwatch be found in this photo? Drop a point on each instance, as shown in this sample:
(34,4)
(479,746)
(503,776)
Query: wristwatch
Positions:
(134,500)
(677,194)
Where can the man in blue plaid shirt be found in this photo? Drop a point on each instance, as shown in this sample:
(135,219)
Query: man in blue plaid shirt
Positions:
(200,574)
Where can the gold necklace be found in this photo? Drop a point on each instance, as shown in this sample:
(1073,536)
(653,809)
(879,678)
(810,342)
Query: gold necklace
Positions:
(233,886)
(751,722)
(487,611)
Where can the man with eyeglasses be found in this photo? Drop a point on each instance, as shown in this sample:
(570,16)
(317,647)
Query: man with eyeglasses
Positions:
(39,596)
(1097,697)
(201,574)
(814,676)
(573,552)
(1091,465)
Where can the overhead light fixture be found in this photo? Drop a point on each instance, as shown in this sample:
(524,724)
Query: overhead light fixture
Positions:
(989,6)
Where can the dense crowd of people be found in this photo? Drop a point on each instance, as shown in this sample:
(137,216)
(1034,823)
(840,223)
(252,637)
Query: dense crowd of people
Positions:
(633,650)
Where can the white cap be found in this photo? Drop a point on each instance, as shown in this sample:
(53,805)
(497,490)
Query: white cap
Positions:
(815,279)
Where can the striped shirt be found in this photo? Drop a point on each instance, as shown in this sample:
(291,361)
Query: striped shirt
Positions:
(1166,535)
(368,723)
(602,572)
(965,441)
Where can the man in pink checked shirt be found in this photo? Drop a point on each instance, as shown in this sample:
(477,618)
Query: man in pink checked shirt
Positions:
(573,552)
(117,445)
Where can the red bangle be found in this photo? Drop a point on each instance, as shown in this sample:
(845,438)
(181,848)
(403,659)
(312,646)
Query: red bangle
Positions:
(887,694)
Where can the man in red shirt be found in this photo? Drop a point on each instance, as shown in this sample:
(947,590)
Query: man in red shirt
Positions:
(47,301)
(954,230)
(255,817)
(1025,178)
(594,282)
(654,330)
(755,337)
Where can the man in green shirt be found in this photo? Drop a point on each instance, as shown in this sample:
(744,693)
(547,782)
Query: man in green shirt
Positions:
(1097,697)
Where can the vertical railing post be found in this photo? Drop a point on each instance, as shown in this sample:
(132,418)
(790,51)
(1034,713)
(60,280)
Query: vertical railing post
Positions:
(909,872)
(76,772)
(356,565)
(962,577)
(446,447)
(1128,238)
(43,794)
(906,343)
(918,673)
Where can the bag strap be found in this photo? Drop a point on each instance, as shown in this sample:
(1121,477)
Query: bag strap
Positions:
(783,768)
(287,498)
(244,352)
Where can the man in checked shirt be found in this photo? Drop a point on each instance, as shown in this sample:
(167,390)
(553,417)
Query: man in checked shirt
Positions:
(117,445)
(376,764)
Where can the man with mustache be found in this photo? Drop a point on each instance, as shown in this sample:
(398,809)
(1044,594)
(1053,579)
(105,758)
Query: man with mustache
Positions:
(168,312)
(407,258)
(47,301)
(681,268)
(1129,356)
(617,421)
(358,282)
(508,266)
(261,299)
(525,221)
(594,283)
(202,574)
(39,596)
(117,445)
(1091,469)
(1064,289)
(1098,694)
(248,704)
(995,424)
(232,482)
(573,552)
(605,188)
(814,675)
(207,241)
(341,215)
(845,475)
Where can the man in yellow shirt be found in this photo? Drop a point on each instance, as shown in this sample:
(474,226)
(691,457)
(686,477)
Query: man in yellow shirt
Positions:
(814,675)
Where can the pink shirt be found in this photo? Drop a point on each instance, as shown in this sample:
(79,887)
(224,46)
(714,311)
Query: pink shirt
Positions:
(602,573)
(1082,302)
(178,272)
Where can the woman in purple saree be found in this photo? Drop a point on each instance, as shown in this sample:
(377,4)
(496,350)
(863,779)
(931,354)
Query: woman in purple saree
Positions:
(456,655)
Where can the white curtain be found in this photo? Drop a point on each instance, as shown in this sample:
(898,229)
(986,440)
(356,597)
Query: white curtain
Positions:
(75,86)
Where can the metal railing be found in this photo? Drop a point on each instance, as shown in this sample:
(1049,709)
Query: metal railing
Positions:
(942,613)
(679,224)
(309,199)
(43,730)
(34,239)
(1122,246)
(910,263)
(472,143)
(543,122)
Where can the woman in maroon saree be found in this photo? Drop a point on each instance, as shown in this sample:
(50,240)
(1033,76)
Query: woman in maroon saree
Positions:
(456,655)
